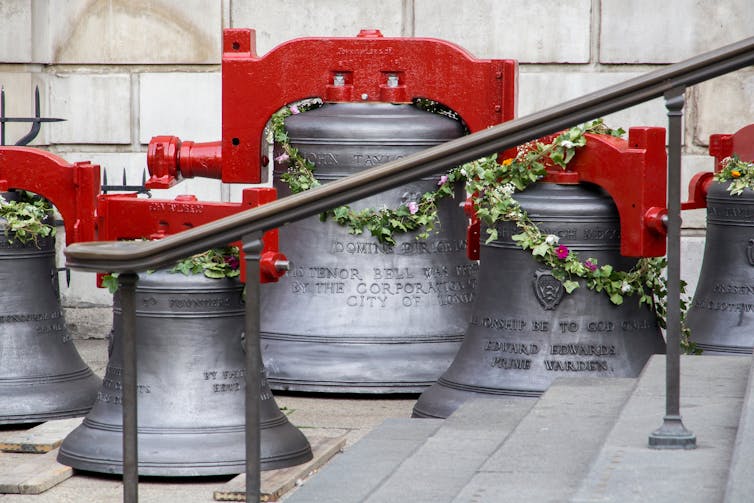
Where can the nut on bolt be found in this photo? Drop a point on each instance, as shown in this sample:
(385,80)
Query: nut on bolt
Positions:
(282,265)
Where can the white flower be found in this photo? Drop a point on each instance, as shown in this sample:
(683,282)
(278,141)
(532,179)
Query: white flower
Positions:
(567,144)
(463,172)
(508,189)
(552,239)
(625,287)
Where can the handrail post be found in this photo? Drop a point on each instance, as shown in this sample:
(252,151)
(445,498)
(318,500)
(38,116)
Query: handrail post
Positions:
(252,248)
(127,291)
(672,434)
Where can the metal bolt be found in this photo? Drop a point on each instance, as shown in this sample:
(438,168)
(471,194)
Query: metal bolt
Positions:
(282,265)
(392,80)
(365,96)
(339,80)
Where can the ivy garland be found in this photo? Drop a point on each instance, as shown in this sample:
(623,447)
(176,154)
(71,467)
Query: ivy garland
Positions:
(492,185)
(26,218)
(383,223)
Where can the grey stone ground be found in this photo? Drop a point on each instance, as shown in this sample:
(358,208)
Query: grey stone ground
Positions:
(530,463)
(332,417)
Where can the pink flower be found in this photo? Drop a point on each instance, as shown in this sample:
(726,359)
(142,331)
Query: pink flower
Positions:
(294,109)
(562,252)
(590,265)
(413,207)
(282,157)
(232,262)
(443,179)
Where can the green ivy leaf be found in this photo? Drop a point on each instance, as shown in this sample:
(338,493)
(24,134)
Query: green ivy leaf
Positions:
(540,250)
(570,286)
(616,299)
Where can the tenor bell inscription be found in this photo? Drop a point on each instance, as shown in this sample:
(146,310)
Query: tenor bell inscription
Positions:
(354,315)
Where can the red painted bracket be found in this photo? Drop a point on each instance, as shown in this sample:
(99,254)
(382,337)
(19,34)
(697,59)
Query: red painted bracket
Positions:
(698,187)
(740,143)
(721,146)
(71,188)
(126,216)
(634,173)
(365,68)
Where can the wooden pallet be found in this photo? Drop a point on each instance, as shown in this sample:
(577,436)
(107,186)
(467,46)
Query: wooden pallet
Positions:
(41,438)
(275,483)
(34,475)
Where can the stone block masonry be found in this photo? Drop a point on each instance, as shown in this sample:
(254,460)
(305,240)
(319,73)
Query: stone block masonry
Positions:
(122,71)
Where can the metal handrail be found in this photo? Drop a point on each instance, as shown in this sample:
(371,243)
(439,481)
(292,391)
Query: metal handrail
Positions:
(139,256)
(128,258)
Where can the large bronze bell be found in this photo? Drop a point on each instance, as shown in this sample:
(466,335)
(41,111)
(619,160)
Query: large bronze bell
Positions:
(190,370)
(354,315)
(42,376)
(525,331)
(721,317)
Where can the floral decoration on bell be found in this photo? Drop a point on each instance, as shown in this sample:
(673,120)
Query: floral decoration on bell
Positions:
(26,218)
(492,185)
(216,263)
(739,173)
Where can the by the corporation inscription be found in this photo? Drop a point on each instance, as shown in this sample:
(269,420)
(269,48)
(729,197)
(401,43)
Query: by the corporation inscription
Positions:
(387,287)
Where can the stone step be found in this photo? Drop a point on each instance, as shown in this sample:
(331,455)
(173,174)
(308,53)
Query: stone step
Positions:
(584,440)
(356,473)
(549,452)
(627,470)
(451,456)
(740,486)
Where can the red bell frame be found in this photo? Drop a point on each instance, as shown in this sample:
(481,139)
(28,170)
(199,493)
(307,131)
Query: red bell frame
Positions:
(482,92)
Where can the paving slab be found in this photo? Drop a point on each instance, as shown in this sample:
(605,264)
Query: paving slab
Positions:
(353,475)
(451,456)
(627,470)
(550,450)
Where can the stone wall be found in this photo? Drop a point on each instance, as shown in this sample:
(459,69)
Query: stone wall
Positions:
(122,71)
